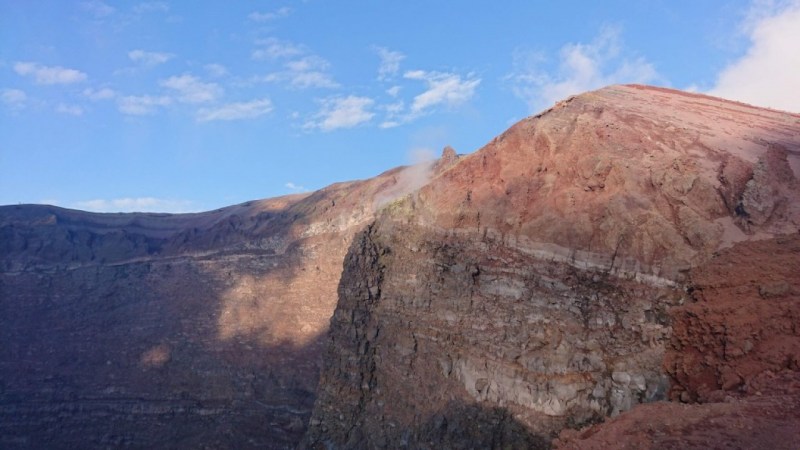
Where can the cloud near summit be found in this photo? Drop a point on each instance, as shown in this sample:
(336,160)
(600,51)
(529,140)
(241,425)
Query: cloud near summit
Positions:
(580,67)
(447,89)
(767,74)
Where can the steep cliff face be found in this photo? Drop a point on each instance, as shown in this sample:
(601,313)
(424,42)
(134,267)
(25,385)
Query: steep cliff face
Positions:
(155,330)
(735,350)
(531,287)
(629,245)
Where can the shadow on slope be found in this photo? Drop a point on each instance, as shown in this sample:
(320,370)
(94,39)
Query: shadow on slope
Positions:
(178,348)
(155,330)
(133,355)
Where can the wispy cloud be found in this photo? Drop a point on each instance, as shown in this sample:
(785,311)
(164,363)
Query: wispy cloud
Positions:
(273,48)
(447,89)
(236,111)
(141,105)
(190,89)
(301,68)
(443,90)
(342,112)
(279,13)
(581,67)
(71,110)
(99,94)
(394,112)
(307,72)
(151,7)
(295,187)
(767,74)
(136,204)
(97,8)
(14,99)
(216,70)
(390,62)
(149,58)
(49,74)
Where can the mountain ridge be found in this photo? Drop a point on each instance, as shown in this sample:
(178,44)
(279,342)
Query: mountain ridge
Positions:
(531,287)
(492,299)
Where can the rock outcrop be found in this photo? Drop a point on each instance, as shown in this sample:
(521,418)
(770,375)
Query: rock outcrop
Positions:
(534,285)
(154,330)
(629,246)
(734,349)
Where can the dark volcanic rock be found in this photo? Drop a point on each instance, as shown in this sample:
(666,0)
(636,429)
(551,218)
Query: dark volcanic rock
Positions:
(154,330)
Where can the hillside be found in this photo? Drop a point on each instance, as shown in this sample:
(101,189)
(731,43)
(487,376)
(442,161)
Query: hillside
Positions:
(548,280)
(150,330)
(625,257)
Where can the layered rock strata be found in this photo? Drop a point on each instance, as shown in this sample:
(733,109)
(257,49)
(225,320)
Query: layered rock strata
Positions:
(735,350)
(529,288)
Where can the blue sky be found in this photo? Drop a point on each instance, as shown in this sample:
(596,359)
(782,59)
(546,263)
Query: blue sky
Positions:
(185,106)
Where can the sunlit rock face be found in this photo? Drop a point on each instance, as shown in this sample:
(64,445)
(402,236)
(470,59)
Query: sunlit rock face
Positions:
(545,282)
(153,330)
(529,288)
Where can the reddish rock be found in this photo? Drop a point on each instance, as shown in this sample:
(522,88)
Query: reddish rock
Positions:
(763,421)
(531,286)
(742,323)
(629,245)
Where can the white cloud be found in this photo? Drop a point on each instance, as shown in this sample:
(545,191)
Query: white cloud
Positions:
(393,112)
(256,16)
(273,48)
(395,108)
(342,112)
(138,204)
(767,74)
(390,62)
(141,105)
(313,79)
(49,74)
(99,94)
(307,72)
(13,98)
(393,91)
(192,90)
(72,110)
(295,187)
(302,69)
(581,67)
(149,58)
(447,89)
(216,70)
(236,111)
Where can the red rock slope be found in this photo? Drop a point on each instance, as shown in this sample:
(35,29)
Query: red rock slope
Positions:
(531,287)
(735,349)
